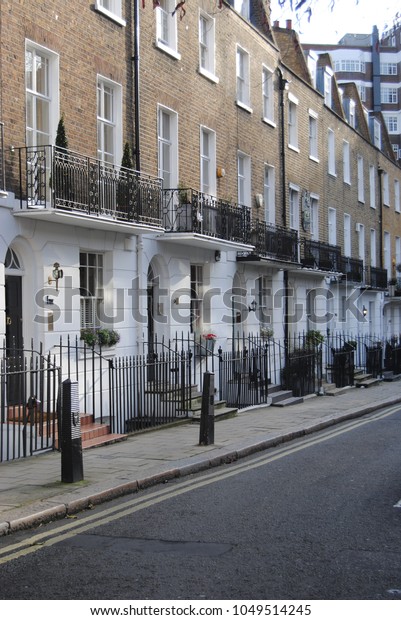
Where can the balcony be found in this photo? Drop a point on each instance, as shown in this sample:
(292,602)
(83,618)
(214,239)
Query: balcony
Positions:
(319,255)
(194,218)
(352,269)
(272,242)
(59,185)
(376,277)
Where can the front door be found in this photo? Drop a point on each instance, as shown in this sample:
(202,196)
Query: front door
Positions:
(13,313)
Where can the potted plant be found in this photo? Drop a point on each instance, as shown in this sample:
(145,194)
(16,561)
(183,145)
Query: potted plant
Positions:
(314,337)
(266,333)
(102,336)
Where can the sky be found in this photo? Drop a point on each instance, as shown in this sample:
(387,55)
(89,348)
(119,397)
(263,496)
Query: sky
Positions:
(328,26)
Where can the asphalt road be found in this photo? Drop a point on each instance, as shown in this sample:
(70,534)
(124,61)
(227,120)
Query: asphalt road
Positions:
(313,519)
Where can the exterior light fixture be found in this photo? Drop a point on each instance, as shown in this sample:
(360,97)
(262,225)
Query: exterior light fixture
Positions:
(217,256)
(57,274)
(364,311)
(252,307)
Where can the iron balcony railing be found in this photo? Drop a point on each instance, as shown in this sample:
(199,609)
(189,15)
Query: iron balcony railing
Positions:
(61,179)
(376,277)
(352,269)
(190,211)
(320,255)
(273,241)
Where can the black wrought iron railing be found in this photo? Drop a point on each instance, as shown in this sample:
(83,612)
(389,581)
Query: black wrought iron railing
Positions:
(187,210)
(273,241)
(320,255)
(376,277)
(352,269)
(61,179)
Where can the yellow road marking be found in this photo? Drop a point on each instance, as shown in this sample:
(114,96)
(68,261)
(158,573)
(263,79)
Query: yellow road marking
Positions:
(70,529)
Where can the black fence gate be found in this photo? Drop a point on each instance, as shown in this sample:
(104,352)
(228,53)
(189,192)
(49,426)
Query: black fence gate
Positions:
(29,406)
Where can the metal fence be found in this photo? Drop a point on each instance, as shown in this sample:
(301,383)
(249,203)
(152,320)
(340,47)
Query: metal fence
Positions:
(29,407)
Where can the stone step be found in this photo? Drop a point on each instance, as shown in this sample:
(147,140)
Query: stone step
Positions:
(390,376)
(221,413)
(103,440)
(279,395)
(334,391)
(293,400)
(367,382)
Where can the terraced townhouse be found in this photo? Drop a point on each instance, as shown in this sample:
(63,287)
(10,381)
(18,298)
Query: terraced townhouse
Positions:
(172,172)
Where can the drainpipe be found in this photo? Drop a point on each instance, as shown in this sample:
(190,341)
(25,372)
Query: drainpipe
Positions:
(282,84)
(381,261)
(135,59)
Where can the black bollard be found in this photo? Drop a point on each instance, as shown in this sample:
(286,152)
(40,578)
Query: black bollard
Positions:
(71,442)
(206,432)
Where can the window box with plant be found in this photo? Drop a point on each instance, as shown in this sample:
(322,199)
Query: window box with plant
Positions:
(102,337)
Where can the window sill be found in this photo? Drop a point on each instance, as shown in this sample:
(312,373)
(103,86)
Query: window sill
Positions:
(268,121)
(294,148)
(332,174)
(244,106)
(208,75)
(168,50)
(316,159)
(112,16)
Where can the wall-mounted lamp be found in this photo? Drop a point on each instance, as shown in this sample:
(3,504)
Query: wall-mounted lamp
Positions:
(57,274)
(176,301)
(259,200)
(49,300)
(217,256)
(220,172)
(364,311)
(252,307)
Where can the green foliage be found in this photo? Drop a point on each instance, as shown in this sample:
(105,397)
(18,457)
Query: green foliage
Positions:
(126,161)
(314,337)
(102,336)
(61,137)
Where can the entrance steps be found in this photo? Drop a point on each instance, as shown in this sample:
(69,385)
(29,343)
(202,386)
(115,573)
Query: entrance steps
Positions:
(221,411)
(283,398)
(95,434)
(365,380)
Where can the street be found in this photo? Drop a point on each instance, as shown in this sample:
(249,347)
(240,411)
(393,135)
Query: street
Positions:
(315,518)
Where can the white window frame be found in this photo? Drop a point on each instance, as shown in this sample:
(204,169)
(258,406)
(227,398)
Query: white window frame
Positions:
(207,161)
(352,113)
(167,147)
(346,163)
(314,217)
(293,122)
(372,247)
(166,28)
(268,95)
(361,243)
(112,10)
(332,226)
(207,47)
(328,75)
(331,152)
(244,179)
(347,235)
(377,133)
(91,283)
(397,244)
(397,205)
(109,119)
(387,252)
(361,179)
(243,78)
(372,186)
(294,206)
(48,96)
(391,123)
(388,94)
(269,193)
(313,136)
(386,189)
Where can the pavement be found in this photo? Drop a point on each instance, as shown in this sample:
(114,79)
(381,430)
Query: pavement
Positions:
(31,491)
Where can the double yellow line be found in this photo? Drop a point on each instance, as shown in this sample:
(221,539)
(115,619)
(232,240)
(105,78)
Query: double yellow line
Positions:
(86,522)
